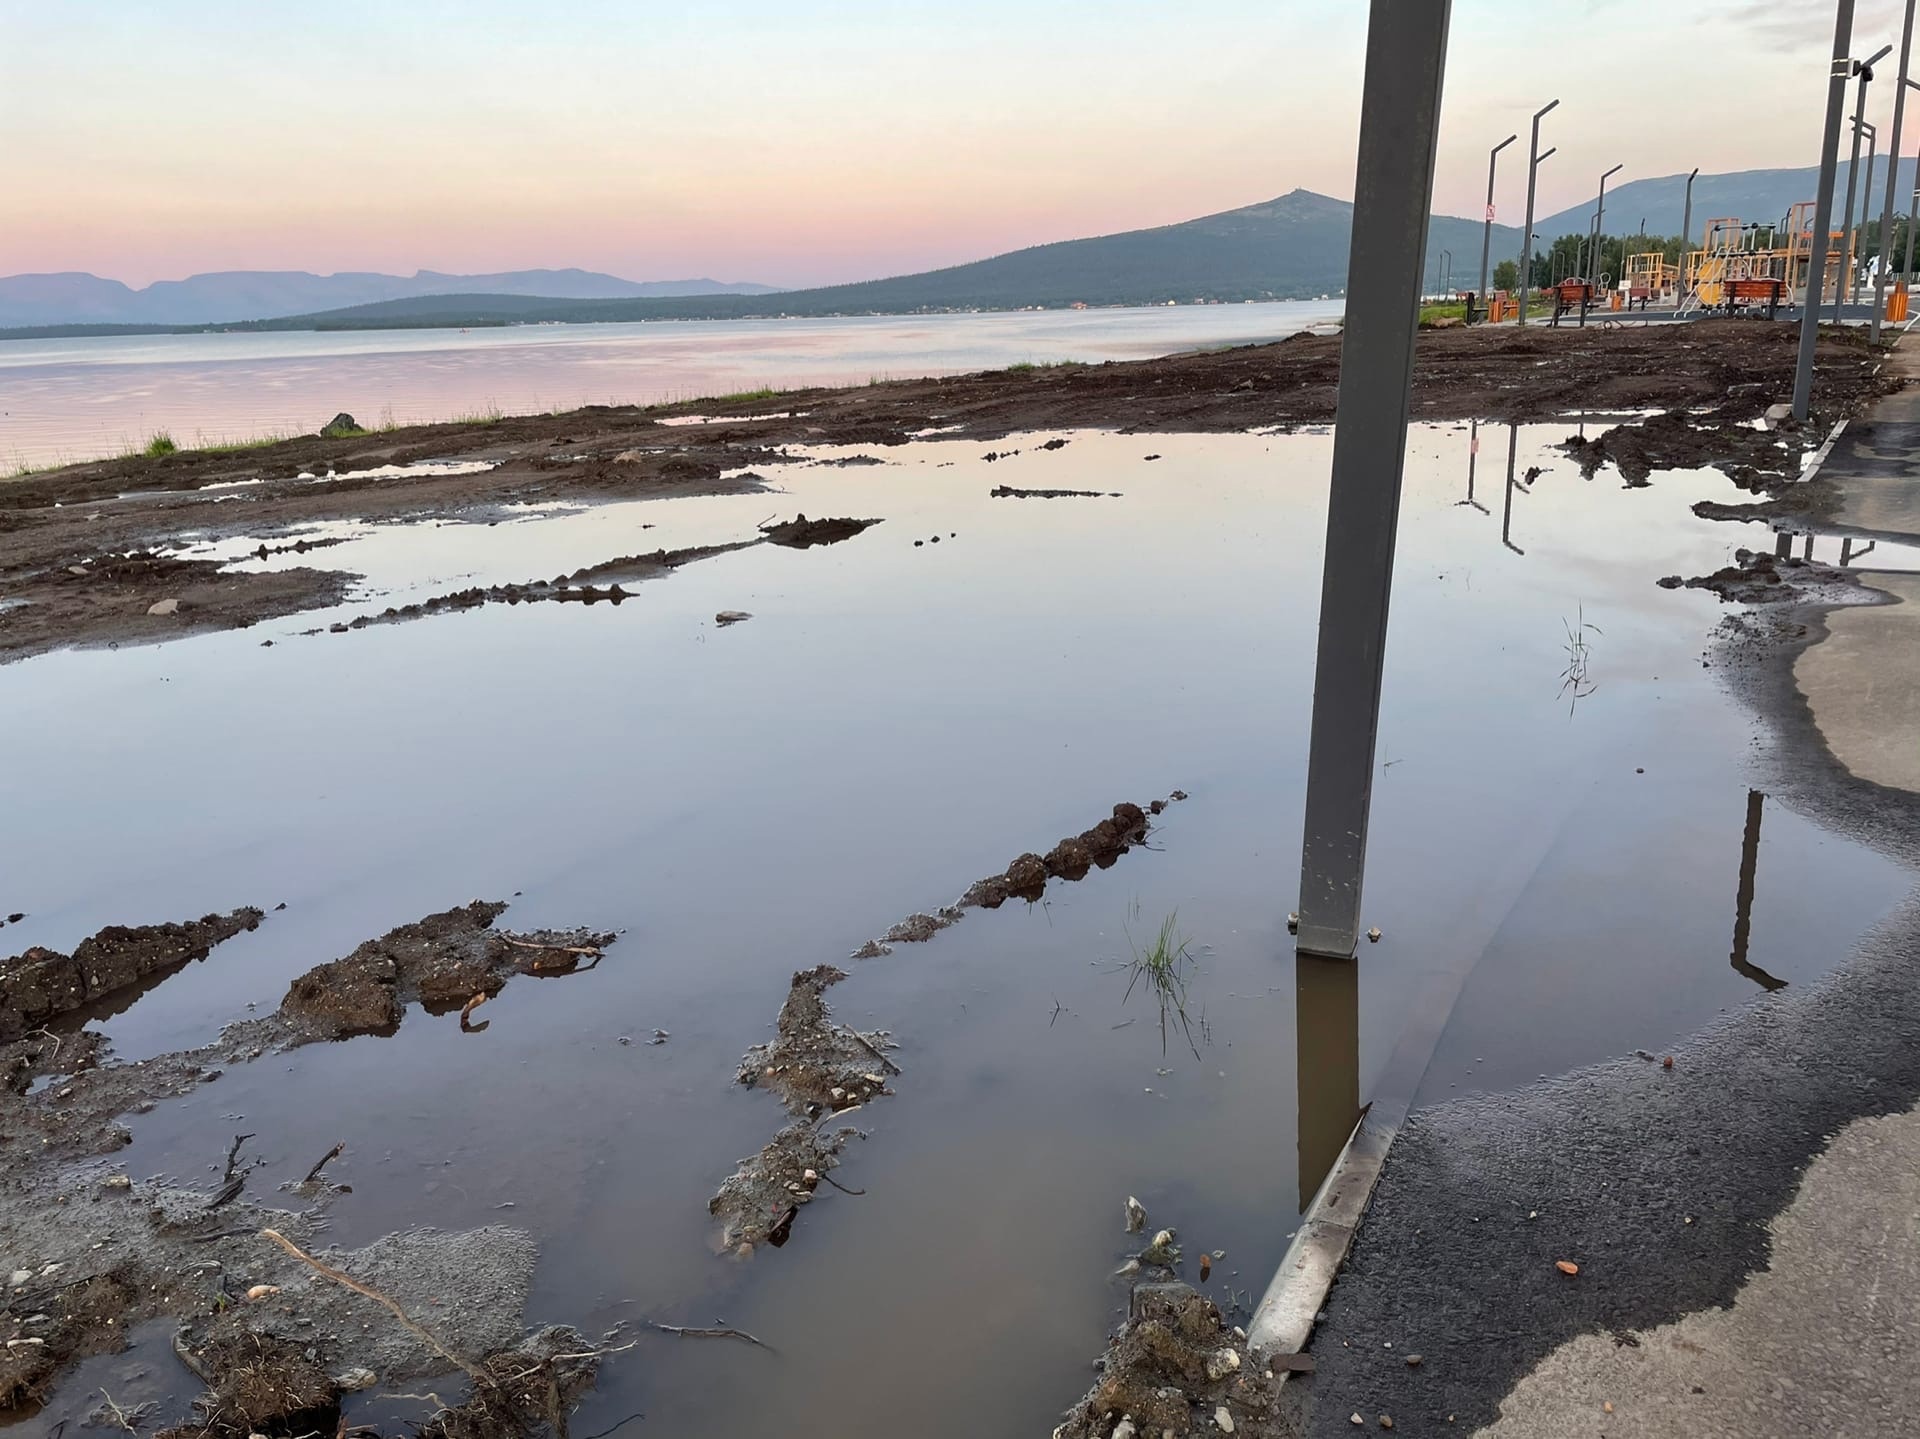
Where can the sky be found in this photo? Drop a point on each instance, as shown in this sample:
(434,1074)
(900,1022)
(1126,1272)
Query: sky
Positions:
(815,141)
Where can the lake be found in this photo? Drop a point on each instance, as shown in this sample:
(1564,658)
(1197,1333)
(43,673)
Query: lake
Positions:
(78,399)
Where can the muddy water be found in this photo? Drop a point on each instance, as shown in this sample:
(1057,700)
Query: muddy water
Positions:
(895,721)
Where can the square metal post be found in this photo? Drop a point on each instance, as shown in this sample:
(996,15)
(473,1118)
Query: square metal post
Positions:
(1393,194)
(1837,78)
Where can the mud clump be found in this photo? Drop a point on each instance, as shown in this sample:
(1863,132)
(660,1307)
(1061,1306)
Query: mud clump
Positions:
(441,962)
(1680,440)
(758,1202)
(1758,579)
(1009,492)
(812,1063)
(259,1384)
(41,984)
(1172,1367)
(802,533)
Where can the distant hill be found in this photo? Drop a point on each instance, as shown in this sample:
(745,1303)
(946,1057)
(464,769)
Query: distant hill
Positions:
(1294,247)
(79,299)
(1757,195)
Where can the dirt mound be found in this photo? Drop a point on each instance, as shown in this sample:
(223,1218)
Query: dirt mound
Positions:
(1172,1368)
(802,533)
(812,1063)
(1681,440)
(757,1203)
(441,962)
(259,1384)
(41,984)
(1758,579)
(1008,492)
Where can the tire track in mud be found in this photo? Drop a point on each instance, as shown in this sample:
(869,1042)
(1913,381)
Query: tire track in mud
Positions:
(822,1070)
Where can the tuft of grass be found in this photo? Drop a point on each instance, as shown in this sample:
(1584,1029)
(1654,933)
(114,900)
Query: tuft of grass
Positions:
(1163,967)
(234,447)
(488,414)
(1023,367)
(765,392)
(1574,683)
(159,446)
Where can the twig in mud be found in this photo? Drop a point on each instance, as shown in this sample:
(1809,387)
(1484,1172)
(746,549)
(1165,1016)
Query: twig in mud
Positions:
(232,1155)
(637,1414)
(874,1050)
(229,1192)
(468,1008)
(838,1185)
(325,1159)
(586,950)
(716,1332)
(127,1419)
(49,1034)
(222,1234)
(371,1293)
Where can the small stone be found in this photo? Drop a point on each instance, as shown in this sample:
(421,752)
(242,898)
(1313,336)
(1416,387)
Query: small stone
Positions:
(1566,1266)
(1414,1361)
(356,1379)
(262,1291)
(1124,1429)
(164,607)
(1356,1419)
(1223,1419)
(1607,1407)
(1136,1215)
(1386,1421)
(19,1277)
(116,1181)
(1373,935)
(1221,1363)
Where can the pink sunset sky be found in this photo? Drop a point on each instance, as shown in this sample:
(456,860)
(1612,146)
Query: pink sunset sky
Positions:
(802,144)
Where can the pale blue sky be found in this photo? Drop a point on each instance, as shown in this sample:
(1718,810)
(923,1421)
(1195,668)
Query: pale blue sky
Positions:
(805,142)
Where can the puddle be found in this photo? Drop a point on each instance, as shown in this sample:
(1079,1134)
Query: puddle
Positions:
(896,720)
(417,470)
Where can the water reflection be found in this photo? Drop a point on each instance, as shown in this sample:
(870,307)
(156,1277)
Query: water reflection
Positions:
(1743,899)
(1473,460)
(1506,517)
(1327,1047)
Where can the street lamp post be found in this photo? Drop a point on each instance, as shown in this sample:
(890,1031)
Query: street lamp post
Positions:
(1486,237)
(1823,209)
(1866,207)
(1599,222)
(1893,175)
(1863,69)
(1906,269)
(1534,157)
(1686,241)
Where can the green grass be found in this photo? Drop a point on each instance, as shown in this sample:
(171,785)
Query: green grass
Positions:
(488,414)
(1024,366)
(1449,311)
(739,397)
(160,446)
(1163,968)
(234,447)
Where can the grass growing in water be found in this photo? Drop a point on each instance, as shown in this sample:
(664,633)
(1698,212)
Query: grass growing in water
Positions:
(1163,968)
(161,444)
(1573,679)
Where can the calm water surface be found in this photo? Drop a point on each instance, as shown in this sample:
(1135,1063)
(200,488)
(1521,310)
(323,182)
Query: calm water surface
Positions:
(78,399)
(894,722)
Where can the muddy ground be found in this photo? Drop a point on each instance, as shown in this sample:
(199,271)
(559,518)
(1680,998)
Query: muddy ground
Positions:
(87,1254)
(78,544)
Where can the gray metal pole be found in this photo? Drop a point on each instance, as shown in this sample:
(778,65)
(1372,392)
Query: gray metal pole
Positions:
(1893,173)
(1864,69)
(1600,213)
(1906,269)
(1823,208)
(1486,238)
(1392,197)
(1534,157)
(1866,208)
(1686,220)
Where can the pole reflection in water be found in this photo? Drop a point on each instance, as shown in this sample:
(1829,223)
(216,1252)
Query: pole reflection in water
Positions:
(1473,461)
(1743,901)
(1327,1046)
(1506,518)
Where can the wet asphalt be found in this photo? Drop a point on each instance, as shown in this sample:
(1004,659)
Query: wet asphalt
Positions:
(1658,1183)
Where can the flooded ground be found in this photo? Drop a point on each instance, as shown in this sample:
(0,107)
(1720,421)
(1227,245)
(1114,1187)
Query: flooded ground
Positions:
(1583,864)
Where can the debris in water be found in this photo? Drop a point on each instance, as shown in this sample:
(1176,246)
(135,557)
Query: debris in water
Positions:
(1136,1215)
(731,617)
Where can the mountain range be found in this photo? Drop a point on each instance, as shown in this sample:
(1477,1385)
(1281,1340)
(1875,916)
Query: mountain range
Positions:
(74,298)
(1291,247)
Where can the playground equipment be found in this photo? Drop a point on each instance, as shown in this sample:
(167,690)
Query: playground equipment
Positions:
(1740,265)
(1650,280)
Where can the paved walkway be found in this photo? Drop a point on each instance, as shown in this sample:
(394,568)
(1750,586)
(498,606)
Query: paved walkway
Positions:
(1747,1223)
